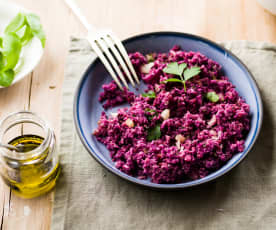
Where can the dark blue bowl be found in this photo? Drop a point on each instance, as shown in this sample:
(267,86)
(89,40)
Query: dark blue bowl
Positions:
(87,109)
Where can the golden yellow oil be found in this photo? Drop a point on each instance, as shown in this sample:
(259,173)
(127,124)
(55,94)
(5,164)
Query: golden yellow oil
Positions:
(35,176)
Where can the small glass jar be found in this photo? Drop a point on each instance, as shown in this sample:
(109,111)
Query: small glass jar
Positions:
(34,170)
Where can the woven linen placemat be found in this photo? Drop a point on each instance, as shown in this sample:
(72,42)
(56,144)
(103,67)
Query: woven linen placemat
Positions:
(89,197)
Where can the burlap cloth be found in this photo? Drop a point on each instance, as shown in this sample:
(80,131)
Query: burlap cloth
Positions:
(89,197)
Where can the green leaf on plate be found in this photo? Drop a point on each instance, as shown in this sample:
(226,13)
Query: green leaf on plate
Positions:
(16,24)
(1,42)
(154,133)
(176,80)
(212,96)
(6,77)
(36,27)
(174,68)
(11,50)
(191,72)
(173,80)
(181,68)
(150,94)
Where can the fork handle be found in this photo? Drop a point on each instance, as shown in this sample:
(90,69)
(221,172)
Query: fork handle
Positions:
(77,11)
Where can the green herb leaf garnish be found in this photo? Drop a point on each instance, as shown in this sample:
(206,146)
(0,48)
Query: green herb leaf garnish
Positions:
(191,72)
(31,25)
(150,94)
(11,50)
(212,96)
(6,77)
(175,68)
(154,133)
(27,35)
(16,24)
(181,71)
(36,27)
(17,34)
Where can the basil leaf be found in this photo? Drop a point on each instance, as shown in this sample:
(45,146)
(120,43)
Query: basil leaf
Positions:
(32,27)
(27,35)
(1,42)
(154,133)
(191,72)
(36,27)
(150,94)
(16,24)
(212,96)
(11,50)
(173,80)
(6,77)
(2,61)
(174,68)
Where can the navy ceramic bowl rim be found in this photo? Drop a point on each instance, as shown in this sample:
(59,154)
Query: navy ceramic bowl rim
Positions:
(187,184)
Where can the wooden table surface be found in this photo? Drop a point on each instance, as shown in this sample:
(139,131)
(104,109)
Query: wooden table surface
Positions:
(219,20)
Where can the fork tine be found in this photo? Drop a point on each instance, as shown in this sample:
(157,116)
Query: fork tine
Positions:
(104,61)
(124,54)
(111,59)
(119,58)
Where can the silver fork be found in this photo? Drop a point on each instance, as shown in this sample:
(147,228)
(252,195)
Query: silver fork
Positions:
(109,49)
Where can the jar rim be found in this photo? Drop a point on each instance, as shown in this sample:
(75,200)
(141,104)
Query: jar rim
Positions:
(39,121)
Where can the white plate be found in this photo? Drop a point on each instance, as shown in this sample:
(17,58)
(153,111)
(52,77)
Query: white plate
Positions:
(270,5)
(31,53)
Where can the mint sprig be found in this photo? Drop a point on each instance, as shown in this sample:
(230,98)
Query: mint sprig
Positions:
(182,71)
(6,77)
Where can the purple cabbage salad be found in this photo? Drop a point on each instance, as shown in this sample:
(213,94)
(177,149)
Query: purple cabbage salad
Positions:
(189,122)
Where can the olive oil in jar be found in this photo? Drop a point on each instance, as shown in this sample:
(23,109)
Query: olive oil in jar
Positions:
(33,169)
(34,176)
